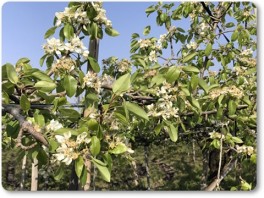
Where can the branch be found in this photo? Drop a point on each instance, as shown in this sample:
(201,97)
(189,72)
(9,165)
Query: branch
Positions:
(227,168)
(240,107)
(24,124)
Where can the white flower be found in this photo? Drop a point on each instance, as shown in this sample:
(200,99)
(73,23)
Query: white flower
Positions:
(192,45)
(152,56)
(54,125)
(53,45)
(83,138)
(62,139)
(246,52)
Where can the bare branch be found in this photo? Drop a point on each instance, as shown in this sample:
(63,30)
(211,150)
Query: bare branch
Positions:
(24,124)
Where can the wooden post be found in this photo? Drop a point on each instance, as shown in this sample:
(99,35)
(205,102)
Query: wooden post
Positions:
(34,175)
(23,175)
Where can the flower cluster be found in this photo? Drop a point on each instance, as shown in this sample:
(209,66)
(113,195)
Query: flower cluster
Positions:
(54,125)
(192,45)
(203,29)
(75,45)
(117,142)
(246,52)
(164,106)
(144,43)
(70,15)
(216,135)
(101,15)
(232,91)
(246,61)
(68,149)
(150,73)
(53,46)
(249,150)
(91,80)
(123,66)
(64,64)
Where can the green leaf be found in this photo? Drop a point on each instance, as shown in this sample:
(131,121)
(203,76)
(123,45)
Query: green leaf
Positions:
(119,149)
(79,165)
(24,103)
(94,64)
(147,30)
(45,86)
(92,124)
(216,143)
(163,17)
(208,49)
(189,57)
(158,129)
(68,31)
(11,73)
(245,186)
(22,61)
(150,10)
(253,158)
(237,140)
(53,145)
(42,59)
(39,119)
(231,107)
(70,114)
(42,157)
(173,132)
(12,129)
(194,81)
(172,74)
(95,146)
(122,84)
(158,79)
(111,32)
(70,85)
(230,24)
(195,103)
(49,61)
(59,172)
(50,32)
(136,110)
(105,173)
(191,69)
(83,177)
(40,75)
(5,98)
(203,85)
(234,36)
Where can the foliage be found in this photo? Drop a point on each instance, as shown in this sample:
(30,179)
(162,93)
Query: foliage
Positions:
(142,101)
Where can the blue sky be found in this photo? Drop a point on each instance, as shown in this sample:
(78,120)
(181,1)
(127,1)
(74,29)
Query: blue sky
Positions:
(25,23)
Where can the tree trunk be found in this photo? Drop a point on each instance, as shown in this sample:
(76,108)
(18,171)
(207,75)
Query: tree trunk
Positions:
(23,175)
(34,175)
(94,52)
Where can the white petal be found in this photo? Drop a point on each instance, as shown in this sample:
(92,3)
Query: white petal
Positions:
(67,160)
(67,135)
(59,156)
(60,138)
